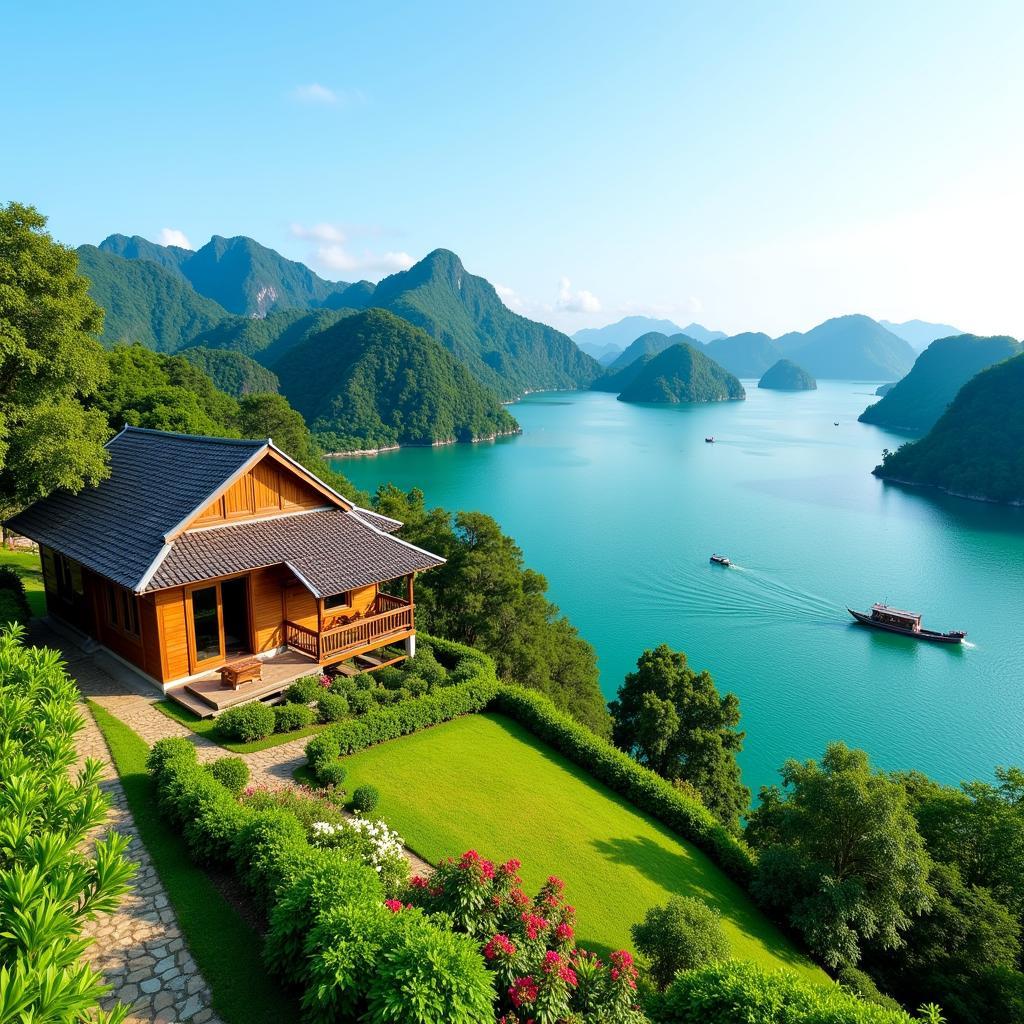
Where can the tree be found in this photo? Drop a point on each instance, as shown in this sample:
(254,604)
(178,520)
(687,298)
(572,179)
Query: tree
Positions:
(49,360)
(840,855)
(673,720)
(680,936)
(485,597)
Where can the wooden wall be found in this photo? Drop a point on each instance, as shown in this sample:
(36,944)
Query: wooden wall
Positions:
(267,601)
(173,634)
(267,488)
(300,605)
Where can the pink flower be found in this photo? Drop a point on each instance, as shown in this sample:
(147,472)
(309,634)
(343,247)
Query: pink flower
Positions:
(394,905)
(534,925)
(556,883)
(510,867)
(552,961)
(418,882)
(523,990)
(564,933)
(499,945)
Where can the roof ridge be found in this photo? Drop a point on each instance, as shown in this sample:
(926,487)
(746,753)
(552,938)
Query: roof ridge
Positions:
(211,438)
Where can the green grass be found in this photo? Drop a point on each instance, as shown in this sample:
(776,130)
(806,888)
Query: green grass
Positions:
(484,782)
(223,944)
(208,727)
(27,565)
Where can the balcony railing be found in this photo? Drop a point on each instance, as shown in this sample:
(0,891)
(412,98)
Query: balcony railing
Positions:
(392,620)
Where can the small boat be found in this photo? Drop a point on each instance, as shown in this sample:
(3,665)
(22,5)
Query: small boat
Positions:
(893,620)
(835,423)
(709,440)
(720,560)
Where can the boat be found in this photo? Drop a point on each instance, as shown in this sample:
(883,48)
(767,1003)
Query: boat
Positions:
(835,423)
(894,620)
(720,560)
(709,440)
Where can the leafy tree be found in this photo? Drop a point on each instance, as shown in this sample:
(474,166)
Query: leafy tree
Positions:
(840,855)
(48,362)
(680,936)
(484,596)
(232,372)
(673,720)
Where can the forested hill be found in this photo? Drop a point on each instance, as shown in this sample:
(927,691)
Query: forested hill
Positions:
(745,355)
(785,375)
(976,449)
(243,276)
(849,348)
(373,380)
(915,403)
(506,351)
(144,301)
(683,374)
(232,372)
(649,344)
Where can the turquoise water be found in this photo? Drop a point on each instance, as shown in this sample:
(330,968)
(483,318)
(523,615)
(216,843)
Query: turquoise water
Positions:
(620,506)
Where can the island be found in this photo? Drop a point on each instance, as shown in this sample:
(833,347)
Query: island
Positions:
(785,375)
(681,374)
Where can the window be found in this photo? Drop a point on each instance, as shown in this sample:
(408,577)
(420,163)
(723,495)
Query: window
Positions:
(337,601)
(122,610)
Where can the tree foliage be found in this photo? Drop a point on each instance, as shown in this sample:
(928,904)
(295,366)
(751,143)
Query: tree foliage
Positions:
(49,361)
(485,597)
(232,372)
(840,855)
(681,374)
(673,720)
(681,936)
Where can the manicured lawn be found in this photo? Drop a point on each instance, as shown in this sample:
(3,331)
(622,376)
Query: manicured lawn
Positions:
(223,944)
(483,782)
(27,565)
(207,727)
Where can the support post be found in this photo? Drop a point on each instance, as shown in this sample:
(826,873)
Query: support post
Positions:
(408,586)
(410,646)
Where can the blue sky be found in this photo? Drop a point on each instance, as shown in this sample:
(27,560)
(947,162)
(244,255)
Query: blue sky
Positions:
(751,165)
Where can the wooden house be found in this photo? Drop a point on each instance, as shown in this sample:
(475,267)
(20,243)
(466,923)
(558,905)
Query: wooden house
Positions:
(199,552)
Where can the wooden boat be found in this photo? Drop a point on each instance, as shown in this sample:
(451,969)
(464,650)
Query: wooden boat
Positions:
(709,440)
(720,560)
(893,620)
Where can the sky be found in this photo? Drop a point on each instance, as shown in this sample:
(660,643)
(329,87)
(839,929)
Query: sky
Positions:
(750,166)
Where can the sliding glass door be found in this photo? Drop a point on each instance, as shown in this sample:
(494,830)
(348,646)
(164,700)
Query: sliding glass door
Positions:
(207,640)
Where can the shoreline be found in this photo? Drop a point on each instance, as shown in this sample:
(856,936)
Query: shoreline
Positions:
(946,490)
(369,452)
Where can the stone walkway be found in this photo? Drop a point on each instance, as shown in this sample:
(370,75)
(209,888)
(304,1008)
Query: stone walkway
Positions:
(140,948)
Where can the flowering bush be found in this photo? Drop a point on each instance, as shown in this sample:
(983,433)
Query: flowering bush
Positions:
(307,804)
(372,842)
(529,944)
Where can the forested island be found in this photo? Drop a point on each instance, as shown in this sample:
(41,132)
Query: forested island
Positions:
(785,375)
(681,374)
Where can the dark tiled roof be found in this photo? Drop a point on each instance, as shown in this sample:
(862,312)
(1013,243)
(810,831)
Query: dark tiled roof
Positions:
(331,550)
(156,480)
(385,523)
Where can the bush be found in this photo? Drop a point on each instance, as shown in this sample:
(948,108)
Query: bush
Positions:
(680,936)
(163,752)
(362,701)
(365,799)
(426,665)
(306,690)
(332,774)
(247,723)
(345,685)
(55,877)
(416,685)
(231,772)
(738,990)
(305,804)
(289,717)
(390,677)
(371,843)
(863,986)
(13,602)
(332,707)
(386,697)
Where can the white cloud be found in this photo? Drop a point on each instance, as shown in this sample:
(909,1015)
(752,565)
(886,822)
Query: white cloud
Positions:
(174,236)
(319,232)
(510,297)
(580,301)
(314,93)
(332,254)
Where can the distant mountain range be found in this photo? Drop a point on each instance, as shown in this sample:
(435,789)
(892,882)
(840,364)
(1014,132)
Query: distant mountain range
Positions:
(745,355)
(649,344)
(681,374)
(915,403)
(920,333)
(605,343)
(849,348)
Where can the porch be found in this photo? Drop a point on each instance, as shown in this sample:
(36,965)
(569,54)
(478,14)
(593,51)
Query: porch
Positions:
(388,620)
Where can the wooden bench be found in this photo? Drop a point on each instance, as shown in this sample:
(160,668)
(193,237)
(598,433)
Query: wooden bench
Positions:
(245,670)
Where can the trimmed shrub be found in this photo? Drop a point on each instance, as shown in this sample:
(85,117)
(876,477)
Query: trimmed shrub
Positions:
(362,701)
(231,772)
(289,717)
(426,665)
(331,707)
(332,774)
(306,690)
(13,602)
(386,697)
(684,934)
(307,805)
(739,990)
(365,799)
(345,685)
(164,751)
(415,685)
(322,751)
(390,677)
(247,723)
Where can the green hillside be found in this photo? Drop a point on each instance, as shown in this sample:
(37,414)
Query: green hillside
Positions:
(787,376)
(501,349)
(745,355)
(232,372)
(976,449)
(170,257)
(649,344)
(849,348)
(618,381)
(145,301)
(374,380)
(915,403)
(683,374)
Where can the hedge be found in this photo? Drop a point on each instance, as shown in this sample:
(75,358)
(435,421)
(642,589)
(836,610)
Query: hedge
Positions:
(330,931)
(13,602)
(741,991)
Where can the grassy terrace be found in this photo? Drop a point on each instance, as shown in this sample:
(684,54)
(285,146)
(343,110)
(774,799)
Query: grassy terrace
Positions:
(27,565)
(484,782)
(208,727)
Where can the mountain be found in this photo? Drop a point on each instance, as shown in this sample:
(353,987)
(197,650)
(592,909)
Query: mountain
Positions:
(916,402)
(976,449)
(375,380)
(920,333)
(618,380)
(700,333)
(145,301)
(884,389)
(243,276)
(649,344)
(501,349)
(621,333)
(745,355)
(683,374)
(849,348)
(604,354)
(787,376)
(232,372)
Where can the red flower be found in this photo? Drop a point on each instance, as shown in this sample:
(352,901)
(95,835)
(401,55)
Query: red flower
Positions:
(523,990)
(499,945)
(393,905)
(510,867)
(556,883)
(623,967)
(552,961)
(519,898)
(564,933)
(418,882)
(534,925)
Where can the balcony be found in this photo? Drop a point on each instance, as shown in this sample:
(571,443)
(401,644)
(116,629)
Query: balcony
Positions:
(390,620)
